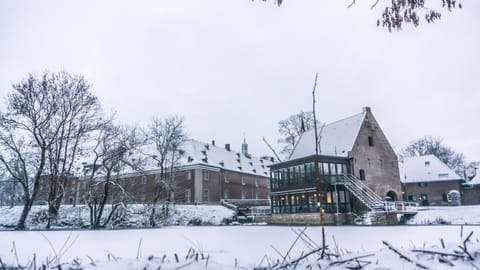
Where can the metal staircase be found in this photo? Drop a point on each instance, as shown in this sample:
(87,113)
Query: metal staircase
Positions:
(372,200)
(362,192)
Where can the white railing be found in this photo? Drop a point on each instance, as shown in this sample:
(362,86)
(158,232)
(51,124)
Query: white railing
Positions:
(396,206)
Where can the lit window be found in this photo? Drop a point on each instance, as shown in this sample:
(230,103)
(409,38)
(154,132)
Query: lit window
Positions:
(243,181)
(226,179)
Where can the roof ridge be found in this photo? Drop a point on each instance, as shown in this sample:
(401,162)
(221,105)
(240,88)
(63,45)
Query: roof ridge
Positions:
(343,119)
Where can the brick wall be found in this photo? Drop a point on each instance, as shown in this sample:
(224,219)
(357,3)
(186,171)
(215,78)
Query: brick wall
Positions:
(378,161)
(470,195)
(434,190)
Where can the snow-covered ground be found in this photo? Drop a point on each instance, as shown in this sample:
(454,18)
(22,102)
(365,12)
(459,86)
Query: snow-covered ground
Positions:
(224,244)
(469,214)
(134,216)
(228,247)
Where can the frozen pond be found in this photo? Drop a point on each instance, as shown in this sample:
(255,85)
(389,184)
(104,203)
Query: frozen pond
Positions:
(248,244)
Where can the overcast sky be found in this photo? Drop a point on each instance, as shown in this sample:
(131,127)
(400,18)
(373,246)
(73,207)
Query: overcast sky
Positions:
(235,67)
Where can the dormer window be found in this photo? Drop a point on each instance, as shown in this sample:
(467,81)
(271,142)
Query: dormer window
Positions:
(427,163)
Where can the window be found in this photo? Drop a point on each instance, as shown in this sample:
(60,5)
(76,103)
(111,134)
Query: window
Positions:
(412,198)
(427,163)
(257,196)
(144,180)
(333,168)
(205,196)
(244,195)
(370,141)
(226,194)
(443,175)
(423,184)
(362,174)
(256,182)
(188,195)
(369,163)
(445,197)
(71,200)
(188,175)
(243,181)
(206,175)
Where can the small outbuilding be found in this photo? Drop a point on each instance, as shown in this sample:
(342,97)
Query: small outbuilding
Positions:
(426,180)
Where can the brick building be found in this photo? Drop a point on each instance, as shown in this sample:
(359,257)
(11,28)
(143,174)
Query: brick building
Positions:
(471,191)
(357,168)
(427,181)
(205,174)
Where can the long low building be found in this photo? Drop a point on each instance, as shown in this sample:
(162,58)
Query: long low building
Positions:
(206,173)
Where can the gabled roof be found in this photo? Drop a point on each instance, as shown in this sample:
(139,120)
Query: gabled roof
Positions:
(336,139)
(425,169)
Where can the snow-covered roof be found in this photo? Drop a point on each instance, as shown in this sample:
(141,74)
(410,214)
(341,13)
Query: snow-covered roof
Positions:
(198,153)
(475,180)
(425,169)
(201,153)
(336,139)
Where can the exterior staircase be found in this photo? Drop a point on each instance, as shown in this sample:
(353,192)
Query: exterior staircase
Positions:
(362,192)
(372,200)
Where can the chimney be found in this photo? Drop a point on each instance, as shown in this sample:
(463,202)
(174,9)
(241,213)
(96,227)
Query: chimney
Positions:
(366,109)
(213,142)
(227,146)
(245,147)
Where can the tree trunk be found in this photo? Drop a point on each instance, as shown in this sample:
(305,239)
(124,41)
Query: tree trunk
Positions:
(28,204)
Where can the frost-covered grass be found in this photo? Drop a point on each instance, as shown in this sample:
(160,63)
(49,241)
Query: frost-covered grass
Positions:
(133,216)
(227,246)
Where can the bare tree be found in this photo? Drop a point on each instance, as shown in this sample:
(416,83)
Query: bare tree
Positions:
(167,136)
(111,153)
(78,114)
(430,145)
(292,128)
(397,12)
(28,129)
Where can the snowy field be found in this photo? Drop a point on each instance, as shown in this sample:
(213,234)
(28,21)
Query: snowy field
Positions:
(468,214)
(225,244)
(134,216)
(243,247)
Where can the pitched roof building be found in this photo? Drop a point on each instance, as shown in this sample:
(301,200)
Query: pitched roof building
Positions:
(427,180)
(357,167)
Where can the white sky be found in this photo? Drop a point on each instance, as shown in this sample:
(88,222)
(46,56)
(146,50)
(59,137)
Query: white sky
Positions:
(235,67)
